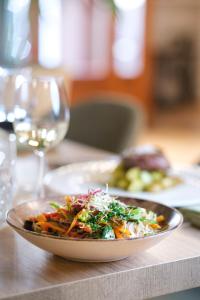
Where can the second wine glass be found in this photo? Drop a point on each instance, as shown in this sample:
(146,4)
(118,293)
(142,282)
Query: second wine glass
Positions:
(41,116)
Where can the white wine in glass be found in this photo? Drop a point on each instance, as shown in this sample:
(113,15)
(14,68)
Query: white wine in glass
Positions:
(41,116)
(42,137)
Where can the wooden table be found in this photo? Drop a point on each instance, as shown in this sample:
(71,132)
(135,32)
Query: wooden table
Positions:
(27,272)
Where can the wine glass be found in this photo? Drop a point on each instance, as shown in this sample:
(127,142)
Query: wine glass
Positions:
(7,95)
(41,116)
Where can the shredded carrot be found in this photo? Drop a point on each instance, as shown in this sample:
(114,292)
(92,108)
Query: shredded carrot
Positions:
(118,234)
(121,231)
(68,200)
(74,221)
(46,225)
(41,218)
(155,226)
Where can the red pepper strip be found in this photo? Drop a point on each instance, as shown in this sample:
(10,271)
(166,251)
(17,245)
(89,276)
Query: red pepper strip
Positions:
(51,215)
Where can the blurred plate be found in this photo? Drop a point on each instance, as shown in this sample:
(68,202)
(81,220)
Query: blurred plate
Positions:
(79,177)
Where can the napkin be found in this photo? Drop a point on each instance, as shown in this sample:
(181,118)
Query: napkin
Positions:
(192,214)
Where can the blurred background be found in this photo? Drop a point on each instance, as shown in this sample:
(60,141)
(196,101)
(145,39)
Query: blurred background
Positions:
(144,51)
(147,49)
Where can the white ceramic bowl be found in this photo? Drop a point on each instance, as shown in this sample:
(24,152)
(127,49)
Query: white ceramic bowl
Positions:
(87,249)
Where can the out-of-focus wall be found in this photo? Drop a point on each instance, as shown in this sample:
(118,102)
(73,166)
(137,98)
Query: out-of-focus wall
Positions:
(178,18)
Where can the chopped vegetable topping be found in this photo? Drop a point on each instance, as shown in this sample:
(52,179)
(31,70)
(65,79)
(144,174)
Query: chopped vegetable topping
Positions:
(96,215)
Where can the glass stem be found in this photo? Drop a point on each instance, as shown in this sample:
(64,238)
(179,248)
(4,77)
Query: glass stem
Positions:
(40,186)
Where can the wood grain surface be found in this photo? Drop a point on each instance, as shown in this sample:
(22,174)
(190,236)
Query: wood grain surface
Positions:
(26,272)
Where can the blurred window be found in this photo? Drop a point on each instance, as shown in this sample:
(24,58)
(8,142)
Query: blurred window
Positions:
(86,31)
(50,25)
(92,43)
(129,38)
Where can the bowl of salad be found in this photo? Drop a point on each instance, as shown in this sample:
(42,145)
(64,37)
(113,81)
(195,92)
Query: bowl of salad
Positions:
(95,226)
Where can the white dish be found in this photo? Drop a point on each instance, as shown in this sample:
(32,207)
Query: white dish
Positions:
(79,177)
(87,249)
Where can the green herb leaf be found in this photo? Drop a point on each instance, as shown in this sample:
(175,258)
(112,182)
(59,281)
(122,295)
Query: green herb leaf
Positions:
(108,233)
(55,205)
